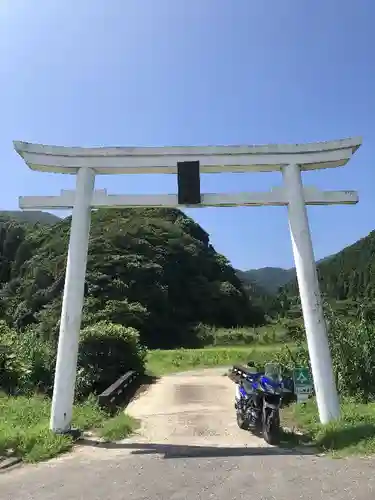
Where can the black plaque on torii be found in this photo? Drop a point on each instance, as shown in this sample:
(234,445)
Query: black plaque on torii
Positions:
(189,183)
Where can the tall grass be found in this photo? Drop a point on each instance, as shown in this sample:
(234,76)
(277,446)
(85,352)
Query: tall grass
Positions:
(352,434)
(268,334)
(24,426)
(161,362)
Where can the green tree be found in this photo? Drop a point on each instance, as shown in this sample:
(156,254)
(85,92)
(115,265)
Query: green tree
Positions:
(152,269)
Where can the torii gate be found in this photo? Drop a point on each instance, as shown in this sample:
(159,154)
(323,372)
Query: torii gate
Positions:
(86,163)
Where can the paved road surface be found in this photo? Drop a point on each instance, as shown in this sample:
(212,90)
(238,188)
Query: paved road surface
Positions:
(189,448)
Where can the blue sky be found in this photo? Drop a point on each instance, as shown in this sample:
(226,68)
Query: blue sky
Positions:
(196,72)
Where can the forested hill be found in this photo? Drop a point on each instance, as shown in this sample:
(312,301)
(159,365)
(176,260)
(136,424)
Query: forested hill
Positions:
(270,279)
(349,274)
(153,269)
(32,217)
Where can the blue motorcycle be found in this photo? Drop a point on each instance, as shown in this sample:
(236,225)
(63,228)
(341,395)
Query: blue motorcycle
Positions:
(258,402)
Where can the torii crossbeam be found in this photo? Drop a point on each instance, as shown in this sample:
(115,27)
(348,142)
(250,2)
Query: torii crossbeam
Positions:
(290,160)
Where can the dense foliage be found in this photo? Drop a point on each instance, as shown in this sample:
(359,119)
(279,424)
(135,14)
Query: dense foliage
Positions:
(153,280)
(106,352)
(150,269)
(349,274)
(347,282)
(352,345)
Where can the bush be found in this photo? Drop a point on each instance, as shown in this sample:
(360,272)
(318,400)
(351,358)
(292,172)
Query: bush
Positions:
(106,352)
(208,335)
(234,336)
(204,334)
(294,328)
(12,369)
(26,362)
(352,345)
(292,358)
(353,355)
(40,358)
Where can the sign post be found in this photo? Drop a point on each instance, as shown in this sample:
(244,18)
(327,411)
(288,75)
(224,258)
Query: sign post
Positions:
(303,384)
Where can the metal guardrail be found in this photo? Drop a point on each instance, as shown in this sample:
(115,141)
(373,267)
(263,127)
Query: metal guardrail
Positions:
(112,394)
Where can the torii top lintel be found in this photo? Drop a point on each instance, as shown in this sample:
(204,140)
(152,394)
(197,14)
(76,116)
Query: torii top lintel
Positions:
(163,160)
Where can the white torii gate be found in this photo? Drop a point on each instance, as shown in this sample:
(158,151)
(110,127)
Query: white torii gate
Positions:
(86,163)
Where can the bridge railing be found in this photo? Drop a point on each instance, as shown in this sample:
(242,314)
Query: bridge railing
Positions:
(117,391)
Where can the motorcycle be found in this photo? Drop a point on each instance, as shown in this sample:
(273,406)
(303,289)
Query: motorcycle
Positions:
(258,401)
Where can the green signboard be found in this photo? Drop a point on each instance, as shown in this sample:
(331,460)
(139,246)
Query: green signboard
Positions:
(303,383)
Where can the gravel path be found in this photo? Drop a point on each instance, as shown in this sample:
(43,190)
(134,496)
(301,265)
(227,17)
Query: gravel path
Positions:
(191,408)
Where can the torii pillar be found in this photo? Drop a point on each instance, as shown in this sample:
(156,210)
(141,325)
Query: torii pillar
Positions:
(85,163)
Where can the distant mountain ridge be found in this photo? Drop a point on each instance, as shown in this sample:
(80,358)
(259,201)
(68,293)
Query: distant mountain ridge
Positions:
(30,217)
(348,274)
(270,279)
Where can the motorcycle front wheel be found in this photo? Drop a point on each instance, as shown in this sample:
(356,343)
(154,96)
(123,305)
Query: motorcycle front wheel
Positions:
(271,427)
(242,421)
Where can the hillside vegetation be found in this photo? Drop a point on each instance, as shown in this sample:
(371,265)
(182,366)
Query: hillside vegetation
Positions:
(32,217)
(151,269)
(155,282)
(347,282)
(349,274)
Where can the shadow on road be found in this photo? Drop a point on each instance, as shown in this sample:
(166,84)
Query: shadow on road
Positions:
(194,451)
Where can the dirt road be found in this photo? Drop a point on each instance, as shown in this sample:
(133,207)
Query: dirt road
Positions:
(193,408)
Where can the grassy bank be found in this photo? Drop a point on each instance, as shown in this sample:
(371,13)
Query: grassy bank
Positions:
(272,333)
(160,362)
(24,425)
(352,434)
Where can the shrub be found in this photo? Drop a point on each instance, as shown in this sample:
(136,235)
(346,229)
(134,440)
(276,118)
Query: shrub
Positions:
(290,359)
(353,354)
(235,336)
(12,369)
(204,334)
(208,335)
(107,351)
(294,328)
(40,358)
(352,345)
(26,362)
